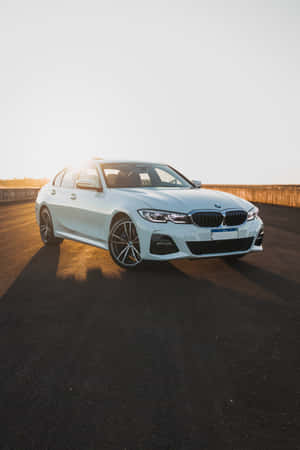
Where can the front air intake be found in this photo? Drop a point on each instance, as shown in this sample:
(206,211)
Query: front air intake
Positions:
(162,244)
(223,246)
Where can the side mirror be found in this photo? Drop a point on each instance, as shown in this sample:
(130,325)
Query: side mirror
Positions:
(91,183)
(197,183)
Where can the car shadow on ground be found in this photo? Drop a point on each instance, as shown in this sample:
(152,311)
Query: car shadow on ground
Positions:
(151,359)
(285,289)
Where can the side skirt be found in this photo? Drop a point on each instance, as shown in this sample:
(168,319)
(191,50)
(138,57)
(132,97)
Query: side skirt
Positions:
(82,239)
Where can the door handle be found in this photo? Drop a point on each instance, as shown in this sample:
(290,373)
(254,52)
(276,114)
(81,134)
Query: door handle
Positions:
(53,192)
(73,197)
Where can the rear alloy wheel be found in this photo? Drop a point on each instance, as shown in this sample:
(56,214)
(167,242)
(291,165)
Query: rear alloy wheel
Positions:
(46,229)
(124,244)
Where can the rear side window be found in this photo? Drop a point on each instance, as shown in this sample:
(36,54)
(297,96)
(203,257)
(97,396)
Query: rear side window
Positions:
(69,178)
(58,178)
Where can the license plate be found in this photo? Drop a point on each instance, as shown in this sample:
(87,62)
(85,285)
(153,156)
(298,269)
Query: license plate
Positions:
(224,233)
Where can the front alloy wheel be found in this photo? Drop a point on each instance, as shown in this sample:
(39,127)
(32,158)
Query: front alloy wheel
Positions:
(124,244)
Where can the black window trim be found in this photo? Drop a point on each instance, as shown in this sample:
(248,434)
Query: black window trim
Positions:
(65,170)
(183,176)
(54,179)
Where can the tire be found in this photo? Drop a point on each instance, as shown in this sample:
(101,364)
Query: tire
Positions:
(124,244)
(46,229)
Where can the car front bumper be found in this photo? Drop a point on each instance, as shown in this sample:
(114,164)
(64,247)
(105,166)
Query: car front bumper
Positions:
(181,235)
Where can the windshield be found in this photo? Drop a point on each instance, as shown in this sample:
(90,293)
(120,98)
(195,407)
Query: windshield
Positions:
(130,175)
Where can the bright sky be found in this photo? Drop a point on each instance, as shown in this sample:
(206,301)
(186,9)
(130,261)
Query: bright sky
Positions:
(209,86)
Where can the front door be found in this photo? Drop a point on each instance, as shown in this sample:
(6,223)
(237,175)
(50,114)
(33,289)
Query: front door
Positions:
(86,210)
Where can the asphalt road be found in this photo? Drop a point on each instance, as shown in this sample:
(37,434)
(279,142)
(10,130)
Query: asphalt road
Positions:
(188,355)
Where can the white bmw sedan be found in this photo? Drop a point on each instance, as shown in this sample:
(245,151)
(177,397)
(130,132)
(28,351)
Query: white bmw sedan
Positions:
(145,211)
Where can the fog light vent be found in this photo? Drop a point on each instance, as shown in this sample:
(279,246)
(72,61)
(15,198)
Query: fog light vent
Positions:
(260,237)
(162,244)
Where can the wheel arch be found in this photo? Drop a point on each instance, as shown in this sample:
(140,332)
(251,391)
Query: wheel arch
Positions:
(117,216)
(38,211)
(42,207)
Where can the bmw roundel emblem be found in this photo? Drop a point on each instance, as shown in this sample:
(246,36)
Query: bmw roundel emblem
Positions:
(217,205)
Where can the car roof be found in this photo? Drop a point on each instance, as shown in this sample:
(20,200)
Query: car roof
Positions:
(107,161)
(124,161)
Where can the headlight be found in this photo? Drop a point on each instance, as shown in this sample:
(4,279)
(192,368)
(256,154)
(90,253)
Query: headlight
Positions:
(252,213)
(154,215)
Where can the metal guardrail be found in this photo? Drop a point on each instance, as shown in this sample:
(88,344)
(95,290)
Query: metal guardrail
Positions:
(274,194)
(18,194)
(285,195)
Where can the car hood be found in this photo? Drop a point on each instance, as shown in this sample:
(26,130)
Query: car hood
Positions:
(184,200)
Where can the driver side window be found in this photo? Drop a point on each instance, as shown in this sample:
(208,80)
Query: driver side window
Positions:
(90,176)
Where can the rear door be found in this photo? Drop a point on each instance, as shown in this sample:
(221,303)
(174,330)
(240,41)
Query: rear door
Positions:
(55,197)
